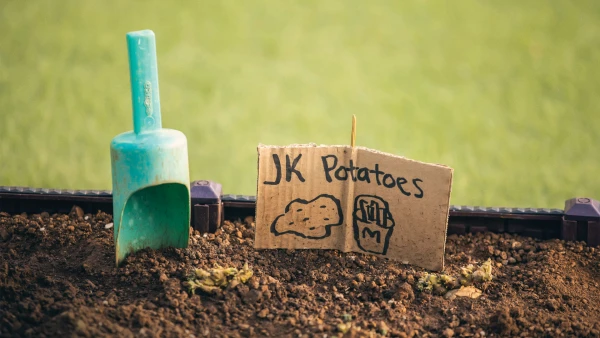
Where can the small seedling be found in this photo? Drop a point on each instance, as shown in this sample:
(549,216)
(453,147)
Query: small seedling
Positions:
(217,278)
(435,283)
(441,283)
(484,273)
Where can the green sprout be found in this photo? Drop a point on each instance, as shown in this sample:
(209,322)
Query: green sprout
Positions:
(427,281)
(447,280)
(217,278)
(484,272)
(441,283)
(346,317)
(435,283)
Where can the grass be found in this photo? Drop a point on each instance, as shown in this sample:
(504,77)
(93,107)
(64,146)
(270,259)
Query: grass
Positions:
(505,92)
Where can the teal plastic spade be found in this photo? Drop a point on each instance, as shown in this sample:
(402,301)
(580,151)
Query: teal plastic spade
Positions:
(150,172)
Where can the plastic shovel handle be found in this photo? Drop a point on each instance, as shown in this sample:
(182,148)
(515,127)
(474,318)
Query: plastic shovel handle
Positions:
(143,71)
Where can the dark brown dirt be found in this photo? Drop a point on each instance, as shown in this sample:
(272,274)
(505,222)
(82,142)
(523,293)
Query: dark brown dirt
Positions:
(57,278)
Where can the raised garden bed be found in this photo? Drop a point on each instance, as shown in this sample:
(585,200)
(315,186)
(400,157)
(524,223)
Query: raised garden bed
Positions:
(57,278)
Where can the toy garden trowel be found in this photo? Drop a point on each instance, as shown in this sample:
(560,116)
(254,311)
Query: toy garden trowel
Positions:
(150,173)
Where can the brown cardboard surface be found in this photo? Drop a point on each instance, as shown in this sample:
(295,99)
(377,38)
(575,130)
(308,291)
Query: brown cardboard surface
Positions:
(352,199)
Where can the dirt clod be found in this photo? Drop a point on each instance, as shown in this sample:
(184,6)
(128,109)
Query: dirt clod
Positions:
(76,212)
(263,313)
(448,333)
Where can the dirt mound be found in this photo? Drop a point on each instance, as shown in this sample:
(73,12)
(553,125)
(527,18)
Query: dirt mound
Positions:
(57,278)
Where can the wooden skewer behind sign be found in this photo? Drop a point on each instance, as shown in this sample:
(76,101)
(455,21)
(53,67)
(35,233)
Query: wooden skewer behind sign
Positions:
(353,134)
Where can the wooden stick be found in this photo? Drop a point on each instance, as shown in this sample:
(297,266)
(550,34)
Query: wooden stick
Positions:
(353,135)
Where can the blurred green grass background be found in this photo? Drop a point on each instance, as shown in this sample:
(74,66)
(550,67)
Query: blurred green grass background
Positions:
(505,92)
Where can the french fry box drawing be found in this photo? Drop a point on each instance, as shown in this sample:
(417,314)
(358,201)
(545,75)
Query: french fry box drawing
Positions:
(373,224)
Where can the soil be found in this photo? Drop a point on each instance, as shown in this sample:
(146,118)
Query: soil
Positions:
(57,278)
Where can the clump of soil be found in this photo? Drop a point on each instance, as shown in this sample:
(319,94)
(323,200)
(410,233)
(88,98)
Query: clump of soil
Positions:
(57,278)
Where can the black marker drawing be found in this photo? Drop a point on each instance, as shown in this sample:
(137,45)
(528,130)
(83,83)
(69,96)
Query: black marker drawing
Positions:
(309,219)
(290,168)
(373,224)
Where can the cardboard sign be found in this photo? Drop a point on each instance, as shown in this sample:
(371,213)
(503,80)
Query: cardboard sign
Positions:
(352,199)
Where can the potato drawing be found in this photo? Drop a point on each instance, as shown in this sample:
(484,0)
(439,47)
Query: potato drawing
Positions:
(309,219)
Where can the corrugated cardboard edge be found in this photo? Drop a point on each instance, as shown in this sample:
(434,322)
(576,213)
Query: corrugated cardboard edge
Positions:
(314,145)
(447,216)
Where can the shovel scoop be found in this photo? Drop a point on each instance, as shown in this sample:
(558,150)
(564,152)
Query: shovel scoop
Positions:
(150,172)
